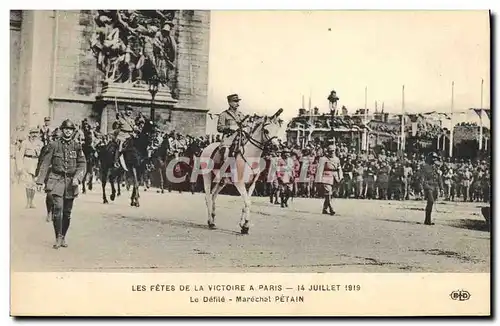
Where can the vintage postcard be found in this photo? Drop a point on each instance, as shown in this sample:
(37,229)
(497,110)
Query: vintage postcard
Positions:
(250,163)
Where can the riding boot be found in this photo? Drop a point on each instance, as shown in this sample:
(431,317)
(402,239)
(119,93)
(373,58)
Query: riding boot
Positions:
(57,222)
(118,153)
(428,213)
(48,205)
(330,208)
(282,197)
(65,227)
(326,204)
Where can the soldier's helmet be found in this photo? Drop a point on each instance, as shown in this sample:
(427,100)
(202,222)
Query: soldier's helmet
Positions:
(67,124)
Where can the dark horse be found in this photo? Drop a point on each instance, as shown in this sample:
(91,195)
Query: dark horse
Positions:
(108,170)
(135,155)
(90,155)
(183,169)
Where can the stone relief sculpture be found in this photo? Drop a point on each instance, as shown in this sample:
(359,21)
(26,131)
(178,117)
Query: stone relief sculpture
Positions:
(133,46)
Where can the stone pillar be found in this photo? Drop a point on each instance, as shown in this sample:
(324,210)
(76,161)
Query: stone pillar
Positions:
(35,66)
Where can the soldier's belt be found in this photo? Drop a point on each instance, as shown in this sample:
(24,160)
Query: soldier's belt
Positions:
(31,156)
(64,174)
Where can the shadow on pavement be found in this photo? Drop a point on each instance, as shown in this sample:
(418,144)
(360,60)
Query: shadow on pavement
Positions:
(400,221)
(184,224)
(470,224)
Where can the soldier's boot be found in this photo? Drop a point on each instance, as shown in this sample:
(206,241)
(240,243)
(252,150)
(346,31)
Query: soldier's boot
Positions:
(428,213)
(66,222)
(118,153)
(325,205)
(332,212)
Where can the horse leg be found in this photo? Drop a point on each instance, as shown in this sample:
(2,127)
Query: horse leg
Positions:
(245,211)
(135,189)
(83,183)
(112,181)
(163,178)
(207,185)
(91,177)
(118,185)
(103,185)
(215,192)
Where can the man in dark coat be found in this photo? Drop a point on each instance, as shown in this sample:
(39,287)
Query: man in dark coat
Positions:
(431,183)
(64,162)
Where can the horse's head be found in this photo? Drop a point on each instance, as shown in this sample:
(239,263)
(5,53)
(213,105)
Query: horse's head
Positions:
(267,128)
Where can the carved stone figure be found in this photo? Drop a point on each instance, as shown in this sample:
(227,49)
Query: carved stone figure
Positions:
(132,46)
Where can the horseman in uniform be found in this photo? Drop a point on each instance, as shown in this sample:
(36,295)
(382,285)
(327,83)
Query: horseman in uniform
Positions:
(126,127)
(229,122)
(62,170)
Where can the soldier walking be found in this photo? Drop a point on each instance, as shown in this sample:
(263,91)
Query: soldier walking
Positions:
(66,161)
(330,175)
(229,122)
(431,183)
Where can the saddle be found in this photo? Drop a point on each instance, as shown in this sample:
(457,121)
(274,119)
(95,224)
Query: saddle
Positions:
(233,149)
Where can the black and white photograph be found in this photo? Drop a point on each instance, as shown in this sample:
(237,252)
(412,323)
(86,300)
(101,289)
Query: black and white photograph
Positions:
(217,141)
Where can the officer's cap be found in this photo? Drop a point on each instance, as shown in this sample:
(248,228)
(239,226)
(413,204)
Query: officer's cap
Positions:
(233,98)
(46,119)
(33,131)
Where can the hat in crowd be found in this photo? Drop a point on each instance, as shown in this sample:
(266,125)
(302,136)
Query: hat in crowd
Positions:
(33,131)
(330,148)
(46,119)
(233,98)
(433,156)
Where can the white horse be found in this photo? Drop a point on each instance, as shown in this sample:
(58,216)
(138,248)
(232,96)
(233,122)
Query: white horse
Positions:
(261,133)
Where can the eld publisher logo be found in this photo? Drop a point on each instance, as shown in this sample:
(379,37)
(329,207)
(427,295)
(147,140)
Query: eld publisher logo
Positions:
(460,295)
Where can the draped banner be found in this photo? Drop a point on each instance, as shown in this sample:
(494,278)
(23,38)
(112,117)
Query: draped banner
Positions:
(487,111)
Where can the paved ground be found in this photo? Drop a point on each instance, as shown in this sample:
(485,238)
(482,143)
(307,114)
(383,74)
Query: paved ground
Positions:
(168,233)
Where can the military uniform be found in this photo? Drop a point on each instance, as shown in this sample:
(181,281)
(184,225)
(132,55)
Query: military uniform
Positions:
(285,176)
(62,169)
(370,178)
(383,181)
(126,127)
(431,183)
(229,122)
(330,175)
(45,132)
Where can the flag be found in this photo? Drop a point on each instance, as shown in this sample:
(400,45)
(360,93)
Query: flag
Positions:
(479,112)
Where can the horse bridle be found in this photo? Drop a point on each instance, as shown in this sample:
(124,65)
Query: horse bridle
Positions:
(259,144)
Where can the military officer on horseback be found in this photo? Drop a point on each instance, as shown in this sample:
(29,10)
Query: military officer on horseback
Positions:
(62,170)
(126,126)
(229,122)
